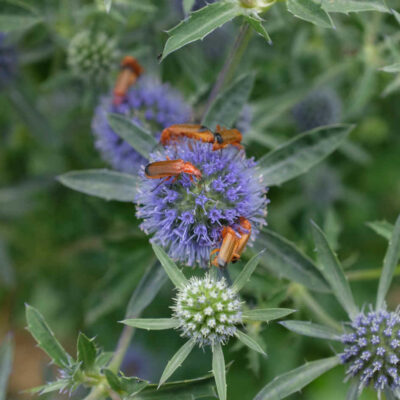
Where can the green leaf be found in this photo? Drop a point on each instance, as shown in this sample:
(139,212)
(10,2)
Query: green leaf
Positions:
(9,23)
(187,5)
(45,338)
(298,155)
(176,361)
(218,367)
(311,11)
(354,392)
(200,24)
(393,69)
(108,4)
(249,342)
(396,15)
(331,269)
(132,385)
(246,272)
(86,351)
(258,26)
(389,265)
(295,380)
(174,273)
(346,6)
(6,359)
(156,324)
(310,329)
(382,228)
(229,103)
(147,289)
(285,260)
(103,183)
(266,314)
(113,380)
(58,386)
(135,135)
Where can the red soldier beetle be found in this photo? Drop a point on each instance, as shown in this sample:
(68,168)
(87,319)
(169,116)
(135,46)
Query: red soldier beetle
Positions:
(130,71)
(221,138)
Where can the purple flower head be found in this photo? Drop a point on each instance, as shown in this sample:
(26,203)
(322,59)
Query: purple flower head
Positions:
(8,60)
(319,108)
(151,104)
(203,207)
(372,349)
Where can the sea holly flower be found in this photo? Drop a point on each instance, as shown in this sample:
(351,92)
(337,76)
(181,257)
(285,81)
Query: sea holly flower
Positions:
(92,55)
(319,108)
(186,216)
(149,103)
(208,313)
(370,339)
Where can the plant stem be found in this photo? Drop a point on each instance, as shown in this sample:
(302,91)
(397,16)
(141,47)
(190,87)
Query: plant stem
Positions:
(122,347)
(300,293)
(230,64)
(368,274)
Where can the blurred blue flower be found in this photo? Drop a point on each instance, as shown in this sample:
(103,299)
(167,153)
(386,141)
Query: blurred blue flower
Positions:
(319,108)
(186,217)
(373,349)
(151,104)
(8,60)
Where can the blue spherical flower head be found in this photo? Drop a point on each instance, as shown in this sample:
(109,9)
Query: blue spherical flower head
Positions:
(8,60)
(149,103)
(372,350)
(187,216)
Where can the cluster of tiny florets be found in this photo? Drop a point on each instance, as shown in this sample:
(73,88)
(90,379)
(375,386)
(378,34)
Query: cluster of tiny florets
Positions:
(319,108)
(92,54)
(187,216)
(149,103)
(208,310)
(373,349)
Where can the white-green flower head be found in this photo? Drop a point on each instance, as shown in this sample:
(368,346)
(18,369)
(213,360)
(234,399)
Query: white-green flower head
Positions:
(208,310)
(92,54)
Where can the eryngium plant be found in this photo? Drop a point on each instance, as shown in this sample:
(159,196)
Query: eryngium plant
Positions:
(371,339)
(208,313)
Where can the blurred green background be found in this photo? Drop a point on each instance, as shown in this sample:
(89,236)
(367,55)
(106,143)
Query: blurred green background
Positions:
(77,258)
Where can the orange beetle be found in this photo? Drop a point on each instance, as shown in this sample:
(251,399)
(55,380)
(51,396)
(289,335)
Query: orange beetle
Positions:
(221,138)
(166,169)
(233,244)
(130,71)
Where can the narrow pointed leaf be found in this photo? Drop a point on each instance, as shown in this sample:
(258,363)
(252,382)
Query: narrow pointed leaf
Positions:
(393,69)
(103,183)
(383,228)
(45,338)
(200,24)
(332,271)
(346,6)
(218,366)
(257,25)
(298,155)
(246,272)
(139,138)
(354,391)
(310,329)
(86,351)
(310,11)
(295,380)
(156,324)
(285,260)
(229,103)
(174,273)
(108,4)
(249,342)
(176,361)
(113,380)
(266,314)
(148,287)
(389,265)
(6,359)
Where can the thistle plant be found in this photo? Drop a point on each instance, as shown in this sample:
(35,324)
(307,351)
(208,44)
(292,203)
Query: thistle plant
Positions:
(208,313)
(150,104)
(370,339)
(186,217)
(92,55)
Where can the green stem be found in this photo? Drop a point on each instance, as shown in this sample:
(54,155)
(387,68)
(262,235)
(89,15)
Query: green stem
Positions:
(301,294)
(122,347)
(368,274)
(230,64)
